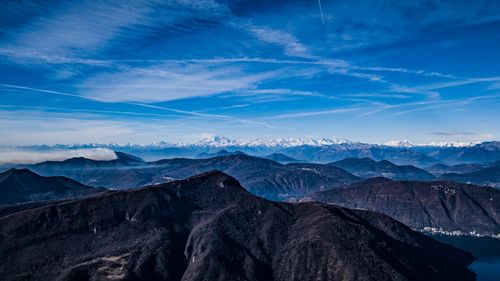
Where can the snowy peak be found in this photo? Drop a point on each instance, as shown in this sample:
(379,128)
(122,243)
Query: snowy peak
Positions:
(218,141)
(403,143)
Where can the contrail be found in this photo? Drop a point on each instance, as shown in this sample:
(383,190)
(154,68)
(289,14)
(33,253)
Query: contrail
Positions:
(192,113)
(321,12)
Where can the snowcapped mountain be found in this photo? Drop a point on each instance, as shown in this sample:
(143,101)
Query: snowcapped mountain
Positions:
(221,141)
(450,144)
(395,143)
(405,143)
(218,141)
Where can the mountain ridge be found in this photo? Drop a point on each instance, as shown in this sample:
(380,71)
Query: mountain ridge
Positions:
(23,186)
(434,206)
(208,227)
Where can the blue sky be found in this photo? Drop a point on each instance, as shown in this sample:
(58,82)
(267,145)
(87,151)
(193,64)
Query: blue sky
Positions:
(145,71)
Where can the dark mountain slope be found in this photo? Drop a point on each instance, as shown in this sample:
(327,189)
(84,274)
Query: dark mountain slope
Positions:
(22,185)
(442,205)
(209,228)
(282,158)
(267,178)
(118,173)
(487,176)
(261,176)
(219,153)
(366,167)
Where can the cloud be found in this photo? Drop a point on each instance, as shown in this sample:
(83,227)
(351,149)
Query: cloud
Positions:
(79,28)
(189,114)
(17,155)
(453,133)
(285,92)
(170,82)
(465,136)
(185,62)
(291,45)
(32,127)
(380,23)
(461,82)
(378,95)
(315,113)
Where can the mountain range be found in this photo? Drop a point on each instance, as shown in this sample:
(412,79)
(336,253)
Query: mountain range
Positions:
(437,206)
(367,168)
(208,227)
(322,150)
(276,180)
(486,175)
(260,176)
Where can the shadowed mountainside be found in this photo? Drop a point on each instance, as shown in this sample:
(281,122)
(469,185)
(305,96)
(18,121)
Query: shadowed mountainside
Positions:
(444,205)
(260,176)
(367,168)
(281,158)
(487,176)
(209,228)
(22,185)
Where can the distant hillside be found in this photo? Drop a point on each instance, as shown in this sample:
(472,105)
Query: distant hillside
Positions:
(260,176)
(440,169)
(436,205)
(22,185)
(219,153)
(486,176)
(282,158)
(366,168)
(267,178)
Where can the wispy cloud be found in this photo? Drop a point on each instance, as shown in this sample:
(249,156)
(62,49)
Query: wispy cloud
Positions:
(377,95)
(79,28)
(212,65)
(170,82)
(285,92)
(188,113)
(16,155)
(291,45)
(315,113)
(453,133)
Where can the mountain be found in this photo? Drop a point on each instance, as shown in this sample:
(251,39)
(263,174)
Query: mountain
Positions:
(440,169)
(312,150)
(209,228)
(218,141)
(260,176)
(366,168)
(222,152)
(487,176)
(122,172)
(480,153)
(126,159)
(398,155)
(434,206)
(22,185)
(282,158)
(265,177)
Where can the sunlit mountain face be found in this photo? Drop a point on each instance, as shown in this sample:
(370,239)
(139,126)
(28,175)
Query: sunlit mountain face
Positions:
(249,140)
(177,71)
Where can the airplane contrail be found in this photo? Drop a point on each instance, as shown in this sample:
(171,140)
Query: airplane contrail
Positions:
(321,12)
